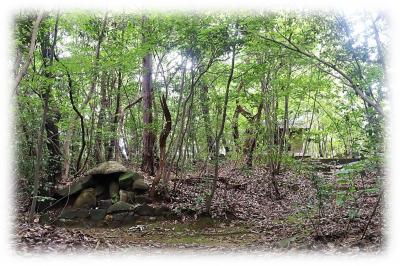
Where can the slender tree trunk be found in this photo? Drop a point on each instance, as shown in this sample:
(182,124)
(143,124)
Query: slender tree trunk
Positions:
(186,126)
(99,150)
(54,168)
(307,143)
(206,119)
(182,85)
(148,135)
(66,152)
(53,115)
(235,126)
(121,131)
(251,141)
(113,148)
(162,172)
(221,130)
(39,157)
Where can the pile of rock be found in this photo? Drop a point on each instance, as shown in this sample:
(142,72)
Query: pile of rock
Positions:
(108,194)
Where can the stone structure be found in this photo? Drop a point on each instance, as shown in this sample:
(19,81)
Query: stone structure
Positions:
(108,194)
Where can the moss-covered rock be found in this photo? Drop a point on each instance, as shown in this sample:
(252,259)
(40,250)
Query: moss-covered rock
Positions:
(126,180)
(86,199)
(73,213)
(107,168)
(114,190)
(140,186)
(126,196)
(98,176)
(142,199)
(104,204)
(97,214)
(162,211)
(76,186)
(145,210)
(120,207)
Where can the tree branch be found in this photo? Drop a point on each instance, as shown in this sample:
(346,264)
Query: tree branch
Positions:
(32,45)
(353,85)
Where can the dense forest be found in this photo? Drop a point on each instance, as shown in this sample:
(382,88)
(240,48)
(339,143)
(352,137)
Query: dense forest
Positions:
(262,130)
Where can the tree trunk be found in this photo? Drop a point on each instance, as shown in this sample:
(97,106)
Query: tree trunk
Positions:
(181,88)
(221,130)
(162,172)
(206,119)
(39,157)
(99,150)
(148,135)
(252,133)
(54,166)
(235,126)
(113,148)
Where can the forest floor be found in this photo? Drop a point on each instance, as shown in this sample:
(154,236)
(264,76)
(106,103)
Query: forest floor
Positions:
(246,217)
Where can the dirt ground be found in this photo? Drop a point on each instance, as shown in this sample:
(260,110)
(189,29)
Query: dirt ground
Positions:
(245,218)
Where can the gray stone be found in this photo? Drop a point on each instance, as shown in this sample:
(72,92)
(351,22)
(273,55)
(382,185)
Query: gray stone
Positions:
(86,199)
(120,207)
(67,222)
(123,217)
(76,186)
(114,190)
(140,186)
(107,168)
(72,213)
(162,211)
(126,180)
(97,214)
(126,196)
(100,189)
(145,210)
(142,199)
(104,204)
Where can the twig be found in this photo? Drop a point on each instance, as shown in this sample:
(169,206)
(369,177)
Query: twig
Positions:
(372,215)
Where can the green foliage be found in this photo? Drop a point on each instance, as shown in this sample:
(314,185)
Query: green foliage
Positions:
(324,191)
(190,51)
(44,199)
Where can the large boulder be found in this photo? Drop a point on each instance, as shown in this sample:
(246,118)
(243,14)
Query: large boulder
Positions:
(107,168)
(98,176)
(86,199)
